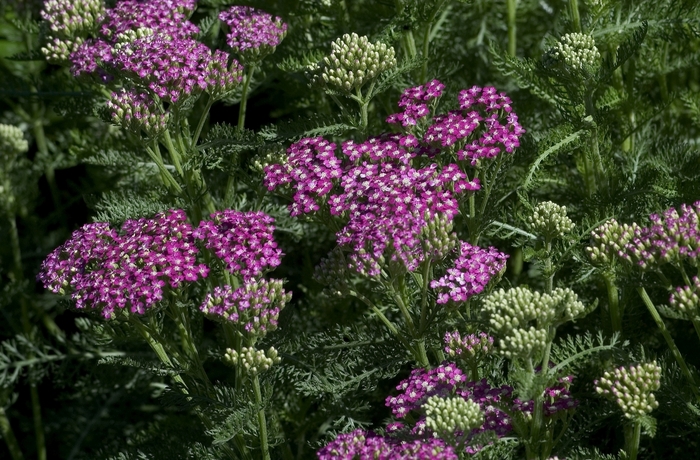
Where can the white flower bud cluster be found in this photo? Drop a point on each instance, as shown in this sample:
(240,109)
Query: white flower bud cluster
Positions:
(251,360)
(446,415)
(437,238)
(521,317)
(578,51)
(631,388)
(550,220)
(353,61)
(609,241)
(70,22)
(274,155)
(685,300)
(12,141)
(332,272)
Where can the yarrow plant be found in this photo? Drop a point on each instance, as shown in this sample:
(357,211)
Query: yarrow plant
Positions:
(348,230)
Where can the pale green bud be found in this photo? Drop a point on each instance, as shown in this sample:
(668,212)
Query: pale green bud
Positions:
(353,61)
(251,360)
(550,220)
(12,141)
(578,51)
(608,242)
(631,388)
(446,415)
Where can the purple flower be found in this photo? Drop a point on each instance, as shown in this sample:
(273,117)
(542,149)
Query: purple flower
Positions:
(255,306)
(470,275)
(105,269)
(243,240)
(468,346)
(367,445)
(253,33)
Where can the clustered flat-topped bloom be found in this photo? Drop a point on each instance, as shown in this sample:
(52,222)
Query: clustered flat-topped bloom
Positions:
(251,360)
(152,46)
(467,346)
(521,318)
(447,381)
(672,237)
(137,111)
(483,126)
(243,240)
(12,141)
(353,62)
(609,242)
(109,270)
(69,22)
(578,51)
(367,445)
(556,399)
(255,306)
(445,416)
(414,103)
(387,202)
(550,220)
(631,388)
(252,33)
(686,300)
(471,273)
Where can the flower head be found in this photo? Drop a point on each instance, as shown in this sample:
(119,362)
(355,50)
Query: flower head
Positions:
(550,220)
(253,34)
(353,61)
(632,388)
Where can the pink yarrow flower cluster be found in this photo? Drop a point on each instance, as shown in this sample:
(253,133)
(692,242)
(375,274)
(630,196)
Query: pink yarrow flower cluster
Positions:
(105,269)
(153,44)
(255,306)
(252,33)
(672,237)
(483,126)
(387,201)
(448,380)
(467,346)
(471,273)
(243,240)
(556,399)
(367,445)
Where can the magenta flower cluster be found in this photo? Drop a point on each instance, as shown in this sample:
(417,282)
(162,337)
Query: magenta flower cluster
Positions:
(105,269)
(152,45)
(556,399)
(367,445)
(471,273)
(252,33)
(386,201)
(468,346)
(243,240)
(414,101)
(484,116)
(255,306)
(448,380)
(671,238)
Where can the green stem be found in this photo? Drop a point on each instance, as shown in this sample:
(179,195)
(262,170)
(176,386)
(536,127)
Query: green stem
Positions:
(247,77)
(549,281)
(202,119)
(632,435)
(262,422)
(9,435)
(167,178)
(38,425)
(175,156)
(669,340)
(696,324)
(575,17)
(43,148)
(27,327)
(424,296)
(512,6)
(613,303)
